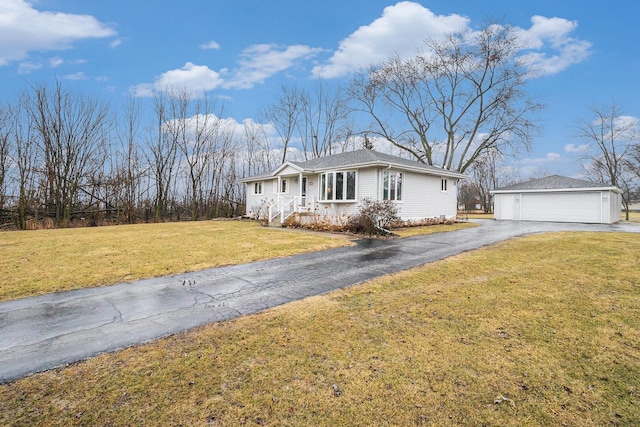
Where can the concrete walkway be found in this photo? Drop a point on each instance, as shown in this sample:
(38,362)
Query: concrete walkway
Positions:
(44,332)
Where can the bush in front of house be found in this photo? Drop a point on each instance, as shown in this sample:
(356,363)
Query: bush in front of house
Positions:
(374,218)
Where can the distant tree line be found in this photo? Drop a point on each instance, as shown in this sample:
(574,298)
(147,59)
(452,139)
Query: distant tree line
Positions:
(68,158)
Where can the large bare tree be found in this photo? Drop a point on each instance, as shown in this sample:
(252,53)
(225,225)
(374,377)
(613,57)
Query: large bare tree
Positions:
(162,151)
(324,120)
(613,138)
(72,132)
(284,114)
(129,170)
(456,98)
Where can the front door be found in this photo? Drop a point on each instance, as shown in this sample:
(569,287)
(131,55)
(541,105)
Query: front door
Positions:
(303,192)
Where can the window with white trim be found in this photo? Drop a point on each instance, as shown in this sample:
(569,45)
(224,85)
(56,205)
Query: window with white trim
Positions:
(443,184)
(257,188)
(338,186)
(392,185)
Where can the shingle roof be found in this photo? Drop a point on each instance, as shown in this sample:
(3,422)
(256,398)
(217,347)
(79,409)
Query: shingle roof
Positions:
(553,182)
(362,158)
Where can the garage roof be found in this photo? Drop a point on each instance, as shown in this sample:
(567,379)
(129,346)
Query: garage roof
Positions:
(555,182)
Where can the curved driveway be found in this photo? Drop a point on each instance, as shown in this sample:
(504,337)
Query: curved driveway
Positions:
(43,332)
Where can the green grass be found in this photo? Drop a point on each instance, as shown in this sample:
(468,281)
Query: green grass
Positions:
(542,330)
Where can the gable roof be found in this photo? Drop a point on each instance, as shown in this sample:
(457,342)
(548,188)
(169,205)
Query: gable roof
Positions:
(355,160)
(555,183)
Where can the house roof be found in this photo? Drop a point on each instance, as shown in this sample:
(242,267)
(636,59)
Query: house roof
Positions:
(355,160)
(555,183)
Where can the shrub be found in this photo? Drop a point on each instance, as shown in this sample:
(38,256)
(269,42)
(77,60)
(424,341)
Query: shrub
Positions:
(374,217)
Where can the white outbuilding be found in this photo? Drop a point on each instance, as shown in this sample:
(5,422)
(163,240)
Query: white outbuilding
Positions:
(558,199)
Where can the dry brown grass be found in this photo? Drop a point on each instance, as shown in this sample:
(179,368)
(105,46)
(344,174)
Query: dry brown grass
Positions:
(429,229)
(633,216)
(46,261)
(543,330)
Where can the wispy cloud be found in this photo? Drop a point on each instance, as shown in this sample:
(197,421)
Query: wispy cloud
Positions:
(259,62)
(210,45)
(28,67)
(256,64)
(577,149)
(75,76)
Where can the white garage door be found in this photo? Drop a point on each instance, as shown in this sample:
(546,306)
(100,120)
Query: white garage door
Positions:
(562,207)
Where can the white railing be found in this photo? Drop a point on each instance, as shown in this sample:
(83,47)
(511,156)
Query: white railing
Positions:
(283,207)
(288,206)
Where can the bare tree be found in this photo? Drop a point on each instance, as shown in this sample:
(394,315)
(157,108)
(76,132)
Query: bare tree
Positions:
(221,168)
(613,137)
(283,114)
(71,130)
(5,132)
(197,129)
(460,96)
(128,164)
(259,156)
(162,151)
(487,174)
(324,120)
(25,158)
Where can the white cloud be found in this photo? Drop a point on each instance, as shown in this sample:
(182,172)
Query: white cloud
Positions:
(24,29)
(626,123)
(258,62)
(193,78)
(549,158)
(55,62)
(75,76)
(548,44)
(28,67)
(550,47)
(577,149)
(210,45)
(115,43)
(400,29)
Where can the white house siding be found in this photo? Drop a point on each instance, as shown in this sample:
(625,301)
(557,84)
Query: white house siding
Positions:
(592,207)
(432,202)
(257,202)
(367,184)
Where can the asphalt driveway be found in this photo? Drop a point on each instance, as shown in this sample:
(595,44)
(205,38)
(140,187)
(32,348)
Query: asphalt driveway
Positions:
(44,332)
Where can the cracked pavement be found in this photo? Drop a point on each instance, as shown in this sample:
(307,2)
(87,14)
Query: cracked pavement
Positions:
(41,333)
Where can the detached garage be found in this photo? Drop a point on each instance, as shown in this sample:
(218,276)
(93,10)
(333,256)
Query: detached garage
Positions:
(558,199)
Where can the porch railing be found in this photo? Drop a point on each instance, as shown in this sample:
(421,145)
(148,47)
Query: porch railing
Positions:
(283,207)
(286,207)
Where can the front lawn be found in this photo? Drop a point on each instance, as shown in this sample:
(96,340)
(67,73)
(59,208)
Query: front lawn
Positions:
(542,330)
(46,261)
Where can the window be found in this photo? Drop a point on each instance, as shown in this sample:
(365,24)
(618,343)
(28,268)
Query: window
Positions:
(283,186)
(257,188)
(338,186)
(443,184)
(392,185)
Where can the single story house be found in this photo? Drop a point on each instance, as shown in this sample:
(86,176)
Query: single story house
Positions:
(559,199)
(332,187)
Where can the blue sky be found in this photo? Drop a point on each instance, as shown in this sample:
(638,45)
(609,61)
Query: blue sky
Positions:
(244,50)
